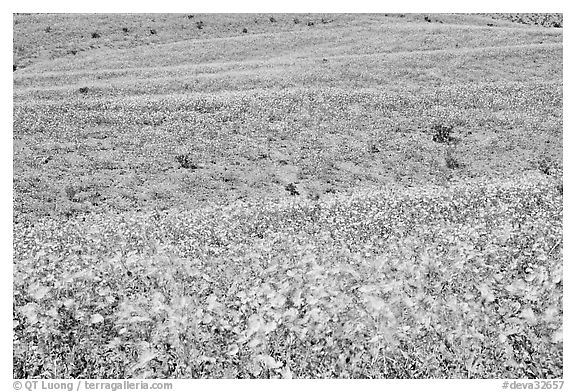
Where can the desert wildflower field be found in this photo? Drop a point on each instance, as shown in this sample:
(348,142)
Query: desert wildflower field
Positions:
(287,196)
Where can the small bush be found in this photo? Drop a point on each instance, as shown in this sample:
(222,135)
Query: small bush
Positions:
(14,67)
(73,52)
(125,29)
(95,35)
(190,16)
(244,30)
(70,192)
(83,90)
(309,23)
(296,21)
(272,19)
(451,161)
(185,161)
(427,19)
(546,165)
(152,31)
(291,188)
(199,25)
(442,134)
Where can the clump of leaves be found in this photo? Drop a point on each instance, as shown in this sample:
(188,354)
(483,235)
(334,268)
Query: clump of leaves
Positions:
(70,192)
(546,165)
(442,133)
(451,161)
(185,161)
(291,188)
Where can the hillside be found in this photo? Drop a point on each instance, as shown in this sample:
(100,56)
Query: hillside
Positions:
(288,195)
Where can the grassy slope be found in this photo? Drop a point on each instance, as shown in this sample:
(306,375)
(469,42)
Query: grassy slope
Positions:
(273,97)
(342,108)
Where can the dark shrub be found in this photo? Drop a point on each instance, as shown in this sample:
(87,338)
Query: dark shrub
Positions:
(125,29)
(451,161)
(190,16)
(442,134)
(296,20)
(427,19)
(199,25)
(309,23)
(152,31)
(83,90)
(14,67)
(291,188)
(272,19)
(244,30)
(95,35)
(73,52)
(185,161)
(546,165)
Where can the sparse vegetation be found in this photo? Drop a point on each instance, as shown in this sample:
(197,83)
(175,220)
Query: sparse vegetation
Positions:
(451,161)
(442,133)
(185,161)
(547,165)
(292,190)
